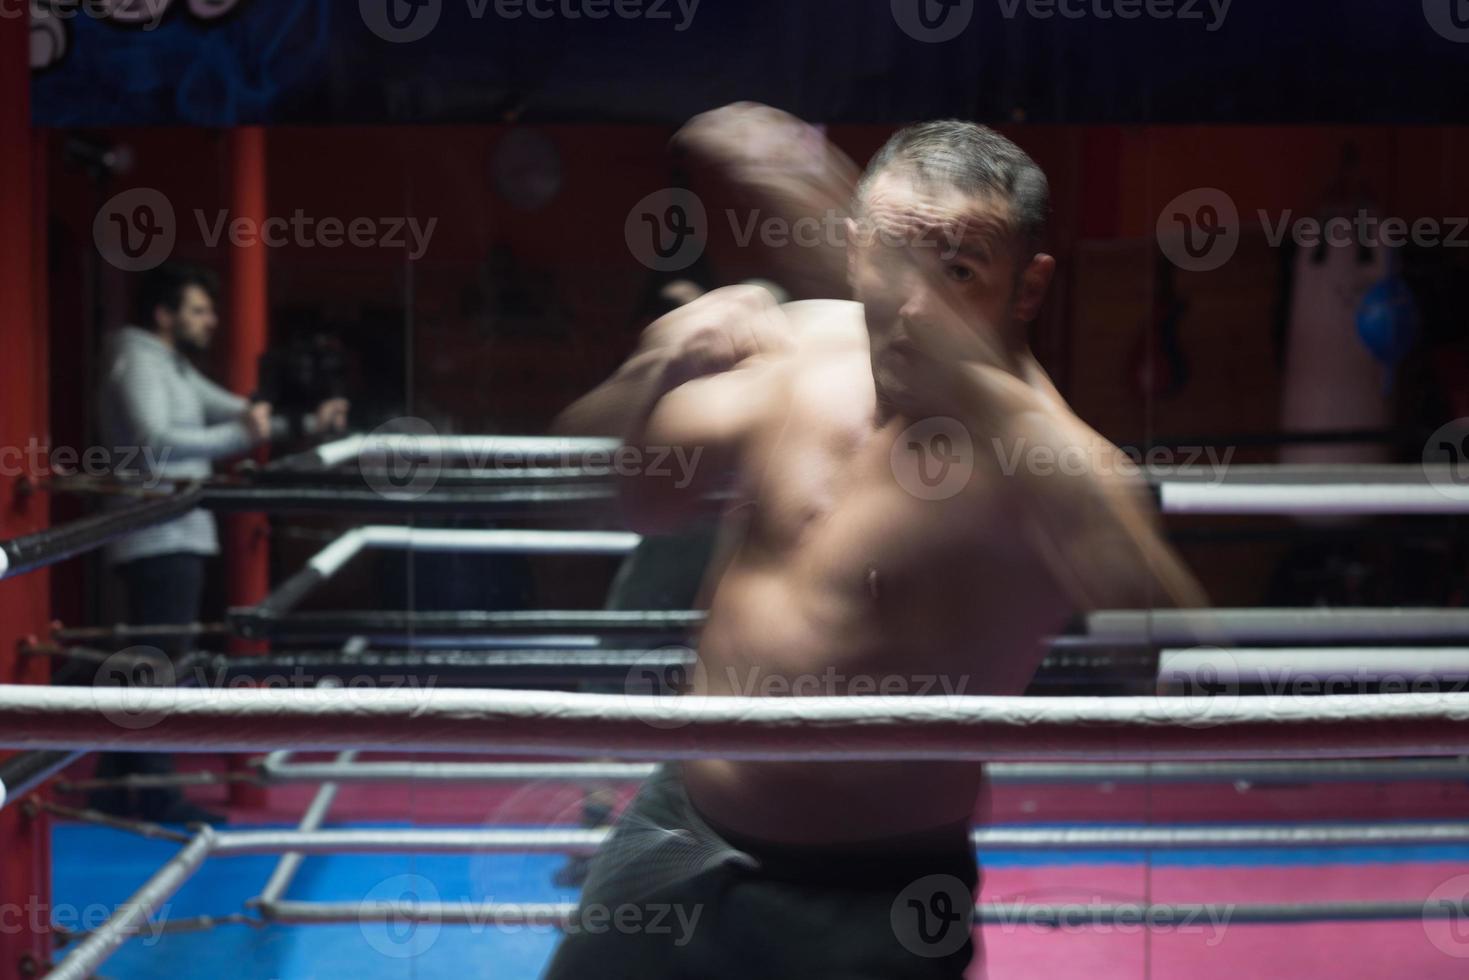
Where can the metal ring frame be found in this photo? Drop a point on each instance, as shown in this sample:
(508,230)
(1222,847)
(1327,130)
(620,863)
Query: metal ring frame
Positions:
(528,486)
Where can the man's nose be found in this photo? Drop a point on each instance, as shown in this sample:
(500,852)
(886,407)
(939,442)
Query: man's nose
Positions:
(920,302)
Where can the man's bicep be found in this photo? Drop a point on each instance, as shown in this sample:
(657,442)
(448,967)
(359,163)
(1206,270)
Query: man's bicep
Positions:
(1092,518)
(714,414)
(1115,554)
(689,448)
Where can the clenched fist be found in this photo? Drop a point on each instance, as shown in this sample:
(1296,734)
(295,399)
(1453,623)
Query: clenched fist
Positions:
(719,331)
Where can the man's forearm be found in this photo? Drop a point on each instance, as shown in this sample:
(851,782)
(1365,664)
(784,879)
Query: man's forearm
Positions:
(1084,499)
(620,406)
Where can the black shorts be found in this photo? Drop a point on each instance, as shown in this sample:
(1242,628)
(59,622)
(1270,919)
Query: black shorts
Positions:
(669,896)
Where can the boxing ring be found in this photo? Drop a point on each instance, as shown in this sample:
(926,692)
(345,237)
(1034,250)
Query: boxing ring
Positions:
(1202,724)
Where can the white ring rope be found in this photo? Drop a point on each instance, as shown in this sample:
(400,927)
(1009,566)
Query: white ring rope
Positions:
(1190,497)
(588,841)
(1181,627)
(1217,488)
(543,723)
(274,769)
(491,449)
(1338,666)
(330,559)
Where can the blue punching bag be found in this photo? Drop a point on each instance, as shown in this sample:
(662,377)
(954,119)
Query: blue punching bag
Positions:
(1387,321)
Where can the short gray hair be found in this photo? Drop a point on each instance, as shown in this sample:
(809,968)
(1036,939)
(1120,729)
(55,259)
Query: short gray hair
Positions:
(974,159)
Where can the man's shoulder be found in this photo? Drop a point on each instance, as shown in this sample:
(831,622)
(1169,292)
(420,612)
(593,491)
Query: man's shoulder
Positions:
(827,324)
(134,342)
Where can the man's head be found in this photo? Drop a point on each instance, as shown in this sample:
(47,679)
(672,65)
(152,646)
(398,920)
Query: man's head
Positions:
(949,216)
(177,303)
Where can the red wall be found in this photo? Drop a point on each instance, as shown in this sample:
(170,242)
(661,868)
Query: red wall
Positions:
(468,373)
(1108,183)
(24,600)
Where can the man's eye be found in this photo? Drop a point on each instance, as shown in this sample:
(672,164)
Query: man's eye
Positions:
(961,273)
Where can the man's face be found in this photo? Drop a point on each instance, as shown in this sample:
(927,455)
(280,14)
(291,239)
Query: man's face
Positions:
(923,250)
(193,324)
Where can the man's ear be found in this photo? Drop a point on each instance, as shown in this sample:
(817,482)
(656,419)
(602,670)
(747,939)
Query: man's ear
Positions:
(1034,283)
(851,255)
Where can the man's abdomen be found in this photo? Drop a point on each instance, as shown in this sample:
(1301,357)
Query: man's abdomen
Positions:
(768,636)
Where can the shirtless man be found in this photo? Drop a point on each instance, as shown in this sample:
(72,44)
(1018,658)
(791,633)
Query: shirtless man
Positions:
(856,571)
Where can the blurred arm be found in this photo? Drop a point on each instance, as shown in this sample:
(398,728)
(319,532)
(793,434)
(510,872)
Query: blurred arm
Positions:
(684,402)
(143,402)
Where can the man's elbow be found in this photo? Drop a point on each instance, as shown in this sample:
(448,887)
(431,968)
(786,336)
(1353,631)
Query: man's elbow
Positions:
(583,420)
